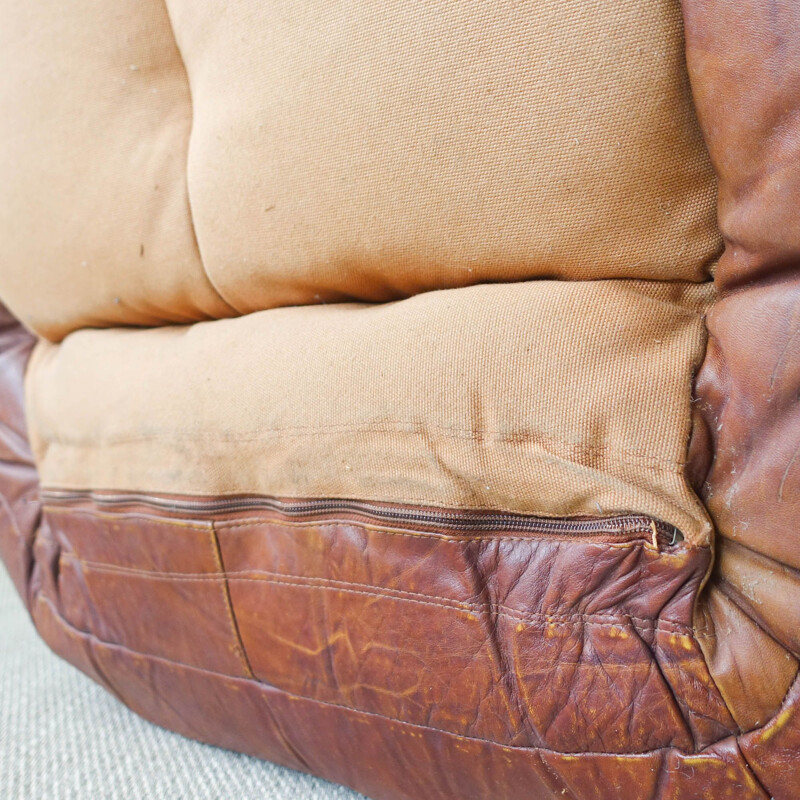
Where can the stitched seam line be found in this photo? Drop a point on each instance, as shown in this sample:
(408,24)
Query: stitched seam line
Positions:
(264,684)
(439,537)
(320,524)
(178,523)
(450,499)
(226,599)
(645,543)
(298,581)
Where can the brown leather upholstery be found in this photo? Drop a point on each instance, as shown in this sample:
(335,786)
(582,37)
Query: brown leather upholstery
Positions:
(524,641)
(744,62)
(19,509)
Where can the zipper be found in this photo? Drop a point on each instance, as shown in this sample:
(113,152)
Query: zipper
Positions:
(617,528)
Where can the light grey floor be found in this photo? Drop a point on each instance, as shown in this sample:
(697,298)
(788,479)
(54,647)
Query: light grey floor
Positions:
(64,738)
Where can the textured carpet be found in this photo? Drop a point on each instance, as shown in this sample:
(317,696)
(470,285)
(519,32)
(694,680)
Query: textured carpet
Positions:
(64,738)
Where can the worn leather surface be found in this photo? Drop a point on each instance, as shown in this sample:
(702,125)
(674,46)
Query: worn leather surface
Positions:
(744,64)
(527,642)
(405,664)
(19,511)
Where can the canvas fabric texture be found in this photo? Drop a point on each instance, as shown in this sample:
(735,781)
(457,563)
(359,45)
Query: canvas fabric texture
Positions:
(549,397)
(95,115)
(202,162)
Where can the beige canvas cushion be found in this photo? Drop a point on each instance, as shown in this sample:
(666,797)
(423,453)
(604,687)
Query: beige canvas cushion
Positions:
(550,397)
(341,150)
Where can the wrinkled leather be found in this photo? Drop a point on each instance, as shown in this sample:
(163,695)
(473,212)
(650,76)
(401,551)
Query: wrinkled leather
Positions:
(405,664)
(19,511)
(744,65)
(391,760)
(526,642)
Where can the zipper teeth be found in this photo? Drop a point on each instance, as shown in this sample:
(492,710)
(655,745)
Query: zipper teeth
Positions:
(620,525)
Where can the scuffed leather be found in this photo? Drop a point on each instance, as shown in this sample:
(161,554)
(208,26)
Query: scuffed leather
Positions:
(406,664)
(576,646)
(744,65)
(19,484)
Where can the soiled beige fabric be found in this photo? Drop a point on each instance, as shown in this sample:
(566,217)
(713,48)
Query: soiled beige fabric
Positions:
(557,398)
(365,150)
(94,123)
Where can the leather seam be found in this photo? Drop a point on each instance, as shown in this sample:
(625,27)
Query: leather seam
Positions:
(749,769)
(437,537)
(226,599)
(297,581)
(270,687)
(178,523)
(733,596)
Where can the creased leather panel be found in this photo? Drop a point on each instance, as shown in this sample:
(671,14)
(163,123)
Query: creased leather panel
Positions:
(406,663)
(19,509)
(744,63)
(387,759)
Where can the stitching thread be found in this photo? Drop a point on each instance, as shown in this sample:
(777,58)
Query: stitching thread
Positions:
(301,582)
(226,599)
(264,684)
(178,523)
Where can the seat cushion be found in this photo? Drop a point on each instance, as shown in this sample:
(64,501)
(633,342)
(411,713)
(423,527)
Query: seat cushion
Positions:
(549,397)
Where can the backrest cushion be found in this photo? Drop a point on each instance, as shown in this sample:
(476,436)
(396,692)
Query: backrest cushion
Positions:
(343,150)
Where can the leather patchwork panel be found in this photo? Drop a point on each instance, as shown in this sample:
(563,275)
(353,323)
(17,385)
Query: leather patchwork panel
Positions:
(572,645)
(415,660)
(136,541)
(99,573)
(575,638)
(752,687)
(772,752)
(19,481)
(183,619)
(391,760)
